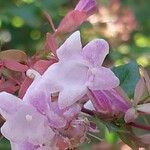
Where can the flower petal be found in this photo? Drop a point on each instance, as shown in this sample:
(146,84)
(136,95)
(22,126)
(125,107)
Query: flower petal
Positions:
(71,48)
(144,108)
(96,51)
(72,111)
(139,91)
(88,6)
(102,79)
(130,115)
(118,102)
(39,99)
(44,85)
(50,79)
(63,76)
(109,102)
(101,102)
(8,104)
(147,79)
(56,120)
(29,121)
(68,97)
(22,146)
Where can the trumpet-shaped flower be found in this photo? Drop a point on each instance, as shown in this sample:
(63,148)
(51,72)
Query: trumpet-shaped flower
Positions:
(77,70)
(23,122)
(108,102)
(30,123)
(141,94)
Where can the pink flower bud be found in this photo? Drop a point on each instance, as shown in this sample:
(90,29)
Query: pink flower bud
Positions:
(130,115)
(87,6)
(76,17)
(110,102)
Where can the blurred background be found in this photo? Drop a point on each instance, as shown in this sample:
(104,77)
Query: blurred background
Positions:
(124,23)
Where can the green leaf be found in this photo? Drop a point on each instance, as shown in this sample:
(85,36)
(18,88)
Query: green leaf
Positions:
(4,144)
(86,146)
(129,138)
(111,137)
(128,75)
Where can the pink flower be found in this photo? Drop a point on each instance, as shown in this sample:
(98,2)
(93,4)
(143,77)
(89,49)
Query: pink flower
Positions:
(35,123)
(23,122)
(141,94)
(77,70)
(22,146)
(35,120)
(41,100)
(109,102)
(134,112)
(87,6)
(29,146)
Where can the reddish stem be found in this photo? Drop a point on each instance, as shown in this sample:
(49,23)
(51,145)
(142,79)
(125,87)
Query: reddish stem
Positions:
(140,126)
(91,113)
(49,18)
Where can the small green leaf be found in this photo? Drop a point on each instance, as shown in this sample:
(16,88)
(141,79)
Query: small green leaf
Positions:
(128,75)
(86,146)
(111,137)
(4,144)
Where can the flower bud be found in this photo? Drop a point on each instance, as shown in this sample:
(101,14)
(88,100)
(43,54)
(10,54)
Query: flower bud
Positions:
(87,6)
(110,102)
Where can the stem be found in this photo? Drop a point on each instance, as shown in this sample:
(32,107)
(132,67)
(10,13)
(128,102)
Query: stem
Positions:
(94,136)
(140,126)
(50,20)
(145,120)
(1,137)
(91,113)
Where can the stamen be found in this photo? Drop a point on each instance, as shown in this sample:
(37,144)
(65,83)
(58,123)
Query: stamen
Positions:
(28,117)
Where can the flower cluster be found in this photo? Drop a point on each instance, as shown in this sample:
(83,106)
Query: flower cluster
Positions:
(53,101)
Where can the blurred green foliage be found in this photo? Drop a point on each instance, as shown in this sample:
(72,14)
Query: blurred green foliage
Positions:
(139,46)
(23,26)
(4,144)
(129,76)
